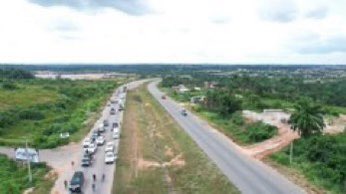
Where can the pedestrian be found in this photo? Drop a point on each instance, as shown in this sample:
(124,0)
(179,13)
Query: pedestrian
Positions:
(94,177)
(72,163)
(65,183)
(93,186)
(103,177)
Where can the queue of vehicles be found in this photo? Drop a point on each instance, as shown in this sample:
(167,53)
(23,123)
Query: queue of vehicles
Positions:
(97,139)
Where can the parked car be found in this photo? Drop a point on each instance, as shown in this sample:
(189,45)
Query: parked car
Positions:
(121,107)
(112,112)
(88,155)
(100,140)
(184,112)
(109,147)
(116,135)
(105,123)
(86,161)
(115,125)
(91,148)
(77,182)
(86,143)
(110,158)
(101,129)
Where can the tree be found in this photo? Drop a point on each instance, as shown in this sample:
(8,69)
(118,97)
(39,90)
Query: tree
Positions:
(222,102)
(307,118)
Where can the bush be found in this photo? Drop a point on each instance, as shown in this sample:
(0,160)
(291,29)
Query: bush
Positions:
(238,119)
(260,131)
(31,114)
(9,86)
(321,158)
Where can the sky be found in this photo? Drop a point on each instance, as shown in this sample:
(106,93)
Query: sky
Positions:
(173,31)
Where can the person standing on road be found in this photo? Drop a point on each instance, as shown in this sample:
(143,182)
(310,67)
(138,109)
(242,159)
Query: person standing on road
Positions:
(65,183)
(94,177)
(93,186)
(103,177)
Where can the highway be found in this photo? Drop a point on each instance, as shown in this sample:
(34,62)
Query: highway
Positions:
(249,175)
(60,158)
(99,167)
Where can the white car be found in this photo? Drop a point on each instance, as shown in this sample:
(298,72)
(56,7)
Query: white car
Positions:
(116,135)
(100,140)
(86,143)
(109,147)
(91,148)
(110,158)
(101,128)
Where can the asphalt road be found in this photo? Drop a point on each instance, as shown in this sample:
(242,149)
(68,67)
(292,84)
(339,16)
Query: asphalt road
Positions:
(250,176)
(99,167)
(60,158)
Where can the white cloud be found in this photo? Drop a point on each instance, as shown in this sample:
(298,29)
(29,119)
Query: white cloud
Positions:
(194,31)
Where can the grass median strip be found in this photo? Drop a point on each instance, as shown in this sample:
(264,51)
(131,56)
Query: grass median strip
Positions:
(157,156)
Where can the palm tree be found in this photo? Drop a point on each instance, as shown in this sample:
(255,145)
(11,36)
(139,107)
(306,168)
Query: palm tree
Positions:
(307,118)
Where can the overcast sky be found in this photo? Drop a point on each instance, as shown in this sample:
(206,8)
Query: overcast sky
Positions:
(173,31)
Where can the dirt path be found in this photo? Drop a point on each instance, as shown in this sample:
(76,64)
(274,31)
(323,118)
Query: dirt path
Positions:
(285,134)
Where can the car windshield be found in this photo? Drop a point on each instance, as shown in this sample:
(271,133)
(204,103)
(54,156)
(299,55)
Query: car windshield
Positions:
(109,154)
(75,180)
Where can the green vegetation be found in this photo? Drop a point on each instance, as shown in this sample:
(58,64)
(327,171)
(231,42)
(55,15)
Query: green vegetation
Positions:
(307,119)
(150,138)
(237,128)
(260,92)
(321,158)
(39,110)
(14,177)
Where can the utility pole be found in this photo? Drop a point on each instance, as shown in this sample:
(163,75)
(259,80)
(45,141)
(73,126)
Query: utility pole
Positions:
(28,161)
(291,152)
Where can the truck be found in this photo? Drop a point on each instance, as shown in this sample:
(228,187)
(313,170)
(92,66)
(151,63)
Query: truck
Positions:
(77,182)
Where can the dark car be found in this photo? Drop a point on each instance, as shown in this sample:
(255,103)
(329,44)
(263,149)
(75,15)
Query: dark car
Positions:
(88,155)
(112,112)
(86,161)
(77,182)
(115,125)
(105,123)
(184,112)
(121,107)
(94,136)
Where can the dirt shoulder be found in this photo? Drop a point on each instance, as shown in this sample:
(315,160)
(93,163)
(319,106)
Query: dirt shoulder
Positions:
(156,156)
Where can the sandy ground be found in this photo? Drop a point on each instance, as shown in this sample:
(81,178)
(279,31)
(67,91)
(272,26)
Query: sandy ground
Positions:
(336,125)
(285,134)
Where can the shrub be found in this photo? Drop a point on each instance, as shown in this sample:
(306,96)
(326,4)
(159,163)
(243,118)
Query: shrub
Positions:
(238,119)
(31,114)
(321,158)
(9,86)
(260,131)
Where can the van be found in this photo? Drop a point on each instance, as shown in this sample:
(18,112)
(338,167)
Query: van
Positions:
(77,182)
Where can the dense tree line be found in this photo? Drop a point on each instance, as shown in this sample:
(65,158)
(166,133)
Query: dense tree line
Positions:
(15,74)
(287,89)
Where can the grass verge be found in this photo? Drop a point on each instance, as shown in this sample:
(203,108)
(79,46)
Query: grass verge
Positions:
(157,156)
(14,177)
